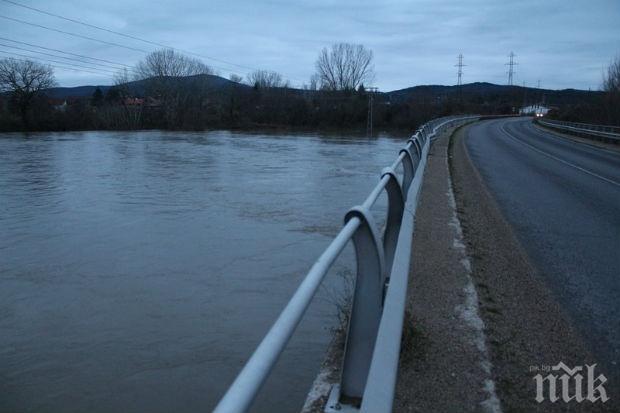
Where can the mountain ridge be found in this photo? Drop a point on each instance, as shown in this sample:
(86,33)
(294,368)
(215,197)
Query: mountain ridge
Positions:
(480,90)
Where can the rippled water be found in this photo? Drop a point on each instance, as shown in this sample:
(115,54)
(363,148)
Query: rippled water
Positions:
(138,270)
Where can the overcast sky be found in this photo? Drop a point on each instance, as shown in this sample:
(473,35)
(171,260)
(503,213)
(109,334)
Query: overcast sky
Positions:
(561,43)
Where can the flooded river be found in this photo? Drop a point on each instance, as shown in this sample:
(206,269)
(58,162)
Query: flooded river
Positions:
(139,270)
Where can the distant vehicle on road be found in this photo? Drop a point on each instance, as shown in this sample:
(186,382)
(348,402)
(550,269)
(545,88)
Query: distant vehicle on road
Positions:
(534,110)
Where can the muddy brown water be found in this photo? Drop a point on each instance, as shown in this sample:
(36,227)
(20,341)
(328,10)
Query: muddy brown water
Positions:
(139,270)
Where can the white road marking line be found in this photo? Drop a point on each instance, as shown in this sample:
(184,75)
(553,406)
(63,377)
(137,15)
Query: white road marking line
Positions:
(469,311)
(514,138)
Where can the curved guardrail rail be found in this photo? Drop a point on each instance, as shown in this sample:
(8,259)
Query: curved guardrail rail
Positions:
(375,325)
(607,132)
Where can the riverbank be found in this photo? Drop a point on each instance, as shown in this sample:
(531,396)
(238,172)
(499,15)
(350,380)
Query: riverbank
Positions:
(266,129)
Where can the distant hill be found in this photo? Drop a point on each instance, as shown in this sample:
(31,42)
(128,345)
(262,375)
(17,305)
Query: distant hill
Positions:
(136,88)
(76,92)
(431,93)
(490,91)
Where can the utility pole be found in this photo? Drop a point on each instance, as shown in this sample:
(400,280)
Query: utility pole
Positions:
(460,75)
(371,92)
(511,63)
(460,71)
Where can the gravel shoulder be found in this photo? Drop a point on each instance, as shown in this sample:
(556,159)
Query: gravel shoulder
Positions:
(445,364)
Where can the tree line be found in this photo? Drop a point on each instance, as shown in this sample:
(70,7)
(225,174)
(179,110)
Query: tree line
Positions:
(168,90)
(605,111)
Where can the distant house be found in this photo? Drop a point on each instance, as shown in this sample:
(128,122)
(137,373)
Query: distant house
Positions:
(152,102)
(58,104)
(133,102)
(148,102)
(534,110)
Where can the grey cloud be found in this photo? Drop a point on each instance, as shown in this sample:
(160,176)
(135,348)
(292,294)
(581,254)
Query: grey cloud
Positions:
(564,44)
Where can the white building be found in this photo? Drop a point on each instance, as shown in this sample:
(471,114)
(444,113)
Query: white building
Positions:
(534,110)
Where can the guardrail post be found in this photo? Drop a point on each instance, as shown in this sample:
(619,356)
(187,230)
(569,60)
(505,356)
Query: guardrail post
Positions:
(408,169)
(415,141)
(366,306)
(396,206)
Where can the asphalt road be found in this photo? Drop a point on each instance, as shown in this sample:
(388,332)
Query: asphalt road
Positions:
(562,199)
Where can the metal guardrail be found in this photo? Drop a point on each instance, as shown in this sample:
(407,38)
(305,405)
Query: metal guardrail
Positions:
(372,348)
(599,131)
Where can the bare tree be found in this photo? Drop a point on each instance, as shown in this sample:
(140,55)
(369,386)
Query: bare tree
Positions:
(129,116)
(235,78)
(344,66)
(314,82)
(163,71)
(611,85)
(266,79)
(169,63)
(312,85)
(24,79)
(611,79)
(121,81)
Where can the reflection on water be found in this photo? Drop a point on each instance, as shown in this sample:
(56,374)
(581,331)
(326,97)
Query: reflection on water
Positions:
(139,270)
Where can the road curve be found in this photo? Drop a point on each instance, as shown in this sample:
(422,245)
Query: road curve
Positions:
(562,199)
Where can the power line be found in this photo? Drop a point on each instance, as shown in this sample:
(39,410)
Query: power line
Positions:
(62,57)
(128,36)
(87,68)
(55,66)
(108,72)
(73,34)
(86,37)
(65,52)
(122,34)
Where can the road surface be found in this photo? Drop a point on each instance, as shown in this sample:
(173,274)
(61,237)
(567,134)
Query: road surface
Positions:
(562,199)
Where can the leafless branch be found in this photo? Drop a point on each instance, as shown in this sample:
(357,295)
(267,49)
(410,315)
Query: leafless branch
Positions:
(344,66)
(265,79)
(168,63)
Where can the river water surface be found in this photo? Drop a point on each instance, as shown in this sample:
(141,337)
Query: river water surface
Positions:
(139,270)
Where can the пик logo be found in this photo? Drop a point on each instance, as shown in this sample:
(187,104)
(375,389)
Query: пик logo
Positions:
(572,382)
